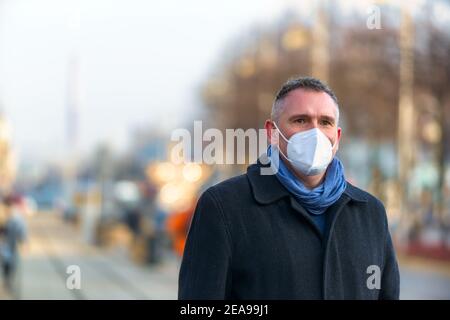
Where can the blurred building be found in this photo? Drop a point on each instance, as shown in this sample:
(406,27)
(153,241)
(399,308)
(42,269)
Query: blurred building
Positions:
(7,158)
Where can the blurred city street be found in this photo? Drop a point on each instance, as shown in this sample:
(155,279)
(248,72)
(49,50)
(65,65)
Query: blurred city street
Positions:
(117,116)
(110,274)
(105,273)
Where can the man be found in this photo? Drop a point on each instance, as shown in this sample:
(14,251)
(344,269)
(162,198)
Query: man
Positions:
(303,232)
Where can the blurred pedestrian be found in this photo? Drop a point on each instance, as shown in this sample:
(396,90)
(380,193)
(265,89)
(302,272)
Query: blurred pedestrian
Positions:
(178,226)
(13,233)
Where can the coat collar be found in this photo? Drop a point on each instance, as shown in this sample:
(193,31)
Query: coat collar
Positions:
(267,189)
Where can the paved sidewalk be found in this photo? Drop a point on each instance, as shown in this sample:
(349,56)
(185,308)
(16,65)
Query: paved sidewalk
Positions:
(105,274)
(422,278)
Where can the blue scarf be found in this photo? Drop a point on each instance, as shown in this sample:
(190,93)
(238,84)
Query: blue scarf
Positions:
(317,200)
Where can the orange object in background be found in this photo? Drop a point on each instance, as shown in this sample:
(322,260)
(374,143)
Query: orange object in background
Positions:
(177,225)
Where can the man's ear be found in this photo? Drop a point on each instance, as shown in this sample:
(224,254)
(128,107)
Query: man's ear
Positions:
(268,126)
(339,132)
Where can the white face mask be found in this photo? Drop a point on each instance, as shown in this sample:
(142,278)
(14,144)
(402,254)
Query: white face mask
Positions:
(310,152)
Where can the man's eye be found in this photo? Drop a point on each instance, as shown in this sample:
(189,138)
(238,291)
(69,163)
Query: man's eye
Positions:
(301,120)
(326,123)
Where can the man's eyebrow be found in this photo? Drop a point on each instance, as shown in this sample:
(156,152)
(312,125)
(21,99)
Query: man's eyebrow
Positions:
(328,118)
(308,116)
(303,115)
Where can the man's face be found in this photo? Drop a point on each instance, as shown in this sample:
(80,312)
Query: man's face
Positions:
(304,110)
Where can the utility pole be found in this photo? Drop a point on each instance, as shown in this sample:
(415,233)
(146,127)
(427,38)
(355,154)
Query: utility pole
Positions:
(320,56)
(406,113)
(318,42)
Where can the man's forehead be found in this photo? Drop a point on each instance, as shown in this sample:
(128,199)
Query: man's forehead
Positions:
(307,102)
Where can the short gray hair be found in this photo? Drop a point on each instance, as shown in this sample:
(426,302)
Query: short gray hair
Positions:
(307,83)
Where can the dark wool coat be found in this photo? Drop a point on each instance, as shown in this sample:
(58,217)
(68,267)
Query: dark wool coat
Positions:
(250,239)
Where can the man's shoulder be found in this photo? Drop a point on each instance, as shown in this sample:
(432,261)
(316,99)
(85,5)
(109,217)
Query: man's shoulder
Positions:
(239,182)
(363,195)
(374,210)
(233,188)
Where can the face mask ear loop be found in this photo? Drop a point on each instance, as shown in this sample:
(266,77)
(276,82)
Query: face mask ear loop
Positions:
(334,145)
(287,141)
(279,150)
(284,156)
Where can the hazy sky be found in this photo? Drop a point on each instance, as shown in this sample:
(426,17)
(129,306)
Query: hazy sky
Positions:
(141,63)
